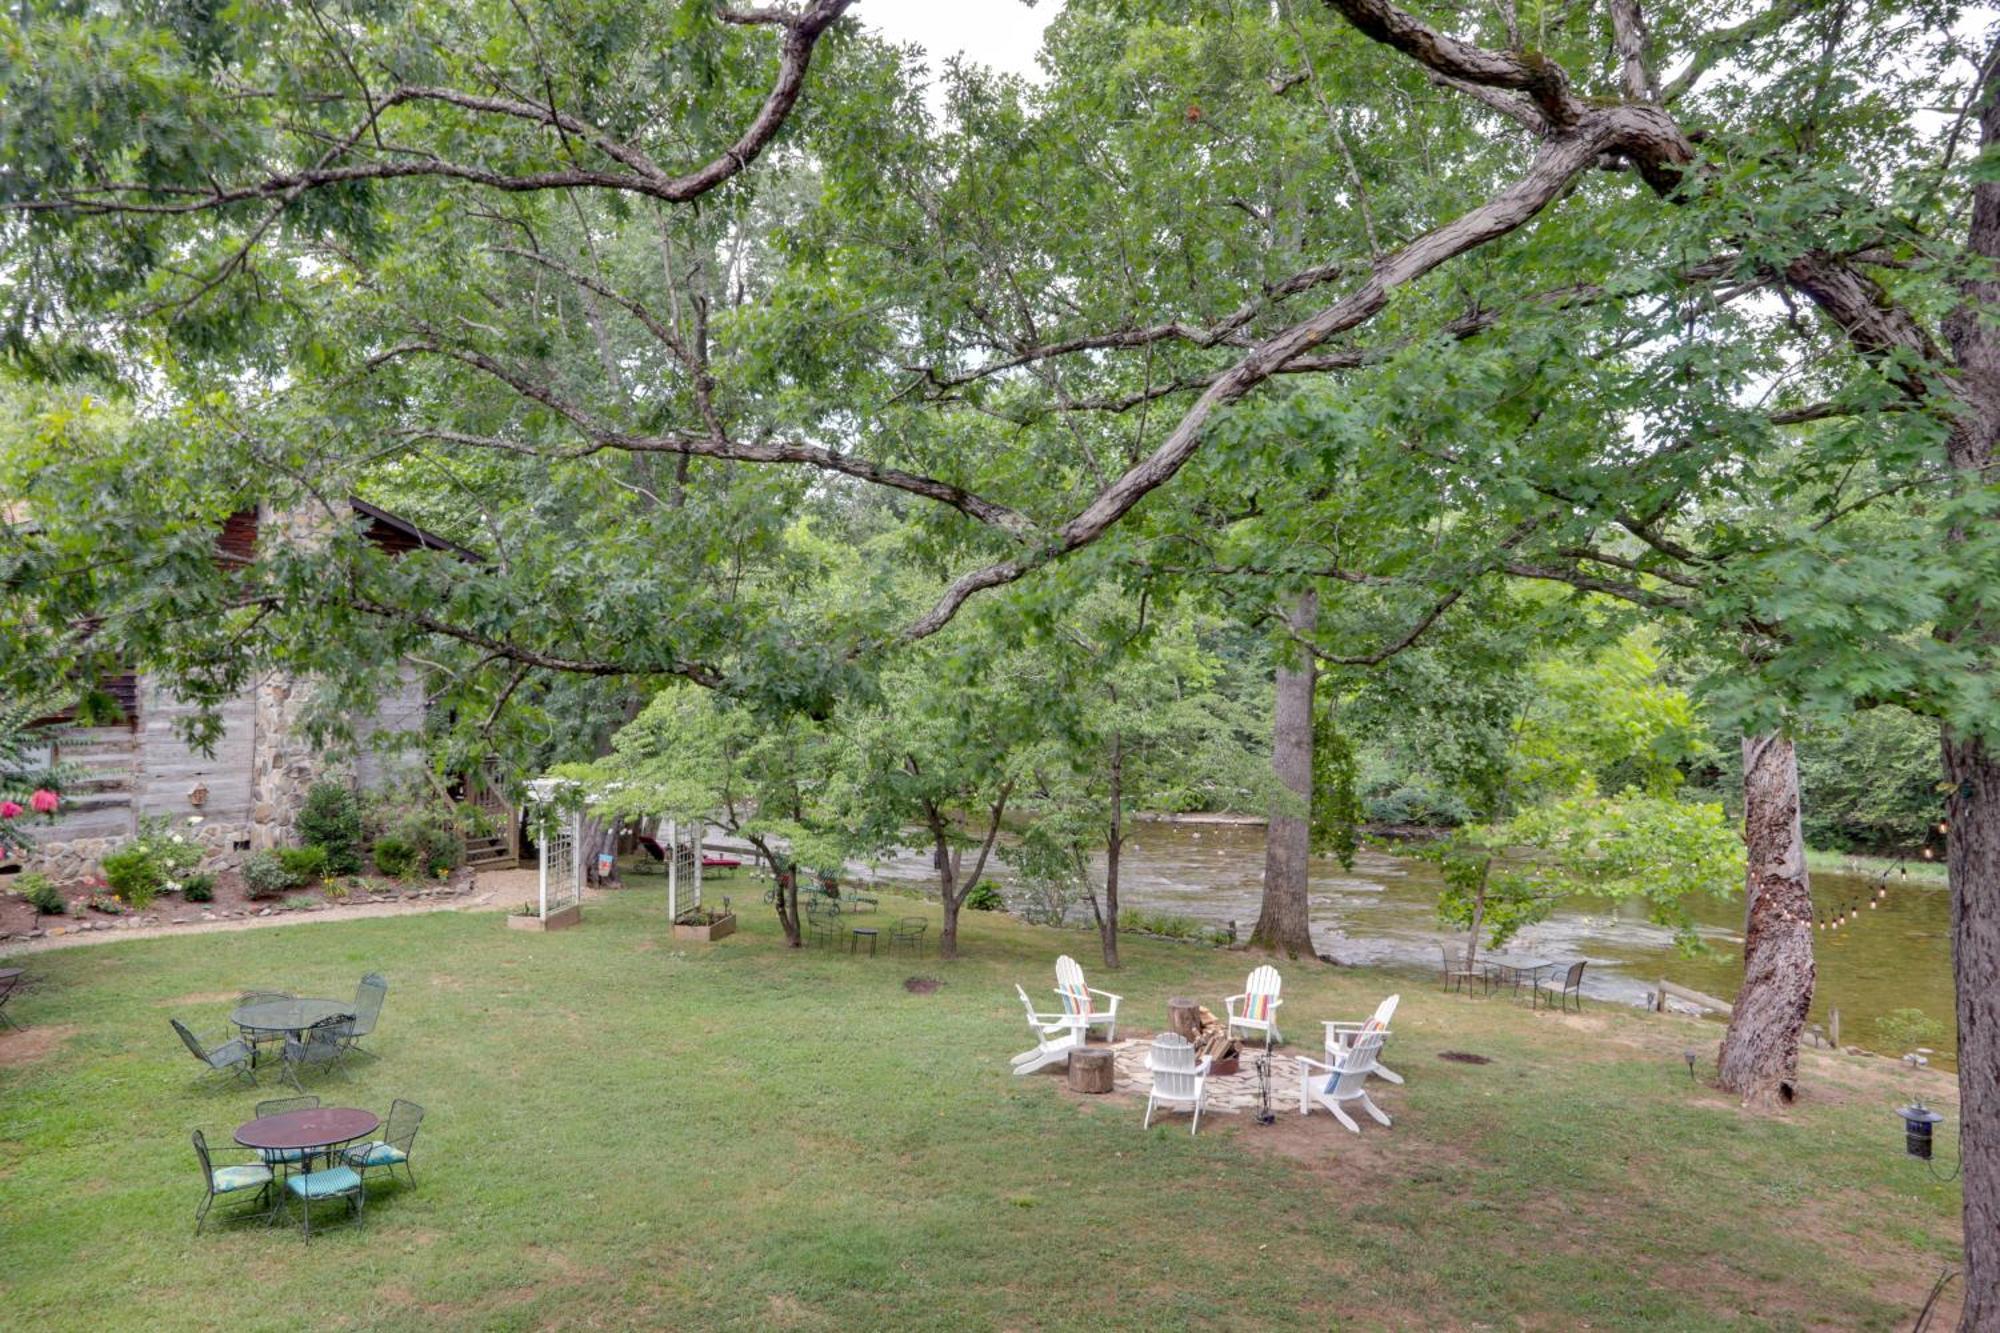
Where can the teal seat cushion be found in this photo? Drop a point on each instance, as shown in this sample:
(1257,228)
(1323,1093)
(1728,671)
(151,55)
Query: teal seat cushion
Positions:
(277,1155)
(228,1178)
(335,1180)
(377,1153)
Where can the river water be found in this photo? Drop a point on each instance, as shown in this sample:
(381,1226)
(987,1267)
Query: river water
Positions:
(1382,913)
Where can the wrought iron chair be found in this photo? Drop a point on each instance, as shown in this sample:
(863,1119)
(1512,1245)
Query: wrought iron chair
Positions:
(232,1055)
(823,924)
(322,1045)
(224,1180)
(279,1106)
(1457,974)
(329,1182)
(909,932)
(258,1037)
(8,985)
(1562,987)
(368,998)
(393,1149)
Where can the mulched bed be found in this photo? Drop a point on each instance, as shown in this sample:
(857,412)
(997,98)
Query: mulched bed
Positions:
(921,985)
(18,918)
(1465,1058)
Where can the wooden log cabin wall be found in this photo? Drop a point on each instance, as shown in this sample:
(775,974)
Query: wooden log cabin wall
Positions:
(246,795)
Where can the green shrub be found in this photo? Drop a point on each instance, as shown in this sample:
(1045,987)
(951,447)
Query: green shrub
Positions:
(39,890)
(198,888)
(134,875)
(1907,1029)
(983,897)
(265,875)
(1168,926)
(330,820)
(434,837)
(395,856)
(306,865)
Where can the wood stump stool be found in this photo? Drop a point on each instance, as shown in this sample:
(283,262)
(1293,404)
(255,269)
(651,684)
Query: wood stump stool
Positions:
(1184,1017)
(1091,1070)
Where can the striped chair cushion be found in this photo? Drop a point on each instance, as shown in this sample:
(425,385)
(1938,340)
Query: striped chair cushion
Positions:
(1075,1001)
(1257,1006)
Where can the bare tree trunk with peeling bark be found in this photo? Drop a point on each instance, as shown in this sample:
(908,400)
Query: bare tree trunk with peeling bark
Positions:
(1760,1052)
(1284,922)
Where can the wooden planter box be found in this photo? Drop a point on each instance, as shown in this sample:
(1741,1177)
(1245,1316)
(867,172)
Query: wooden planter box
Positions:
(720,928)
(561,919)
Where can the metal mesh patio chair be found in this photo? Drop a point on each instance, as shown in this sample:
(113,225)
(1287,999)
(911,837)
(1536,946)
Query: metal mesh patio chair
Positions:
(321,1046)
(909,933)
(220,1181)
(393,1149)
(329,1182)
(279,1106)
(1561,989)
(823,923)
(368,997)
(258,1037)
(8,985)
(1457,974)
(232,1055)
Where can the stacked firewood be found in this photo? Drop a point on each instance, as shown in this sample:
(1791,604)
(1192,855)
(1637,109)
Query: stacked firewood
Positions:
(1205,1032)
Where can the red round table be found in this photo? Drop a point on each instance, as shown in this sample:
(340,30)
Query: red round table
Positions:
(309,1132)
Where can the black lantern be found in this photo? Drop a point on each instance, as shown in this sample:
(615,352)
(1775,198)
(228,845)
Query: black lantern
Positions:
(1917,1122)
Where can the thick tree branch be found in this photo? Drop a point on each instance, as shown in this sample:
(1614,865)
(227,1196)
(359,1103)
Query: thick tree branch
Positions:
(802,31)
(1557,163)
(700,673)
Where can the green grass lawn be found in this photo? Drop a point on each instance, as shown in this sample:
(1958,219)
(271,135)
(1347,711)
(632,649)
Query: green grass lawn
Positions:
(625,1132)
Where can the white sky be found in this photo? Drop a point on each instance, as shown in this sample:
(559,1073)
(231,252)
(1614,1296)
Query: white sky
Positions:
(1002,33)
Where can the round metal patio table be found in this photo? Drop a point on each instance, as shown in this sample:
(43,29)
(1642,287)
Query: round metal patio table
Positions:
(293,1016)
(309,1133)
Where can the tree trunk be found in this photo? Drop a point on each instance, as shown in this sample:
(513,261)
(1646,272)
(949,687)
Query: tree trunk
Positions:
(950,887)
(1478,916)
(948,893)
(1284,922)
(1972,813)
(1760,1052)
(1971,765)
(786,899)
(1114,848)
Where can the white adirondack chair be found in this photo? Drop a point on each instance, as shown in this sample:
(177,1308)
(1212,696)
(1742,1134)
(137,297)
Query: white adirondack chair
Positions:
(1099,1008)
(1341,1078)
(1056,1036)
(1256,1009)
(1178,1078)
(1339,1036)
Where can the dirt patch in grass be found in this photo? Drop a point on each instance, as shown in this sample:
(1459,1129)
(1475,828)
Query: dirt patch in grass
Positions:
(921,985)
(27,1045)
(1465,1058)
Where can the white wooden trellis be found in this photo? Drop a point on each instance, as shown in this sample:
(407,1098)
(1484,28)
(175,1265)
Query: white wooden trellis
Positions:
(683,867)
(558,833)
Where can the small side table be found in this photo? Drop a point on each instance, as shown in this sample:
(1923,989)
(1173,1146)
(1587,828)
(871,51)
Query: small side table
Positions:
(854,940)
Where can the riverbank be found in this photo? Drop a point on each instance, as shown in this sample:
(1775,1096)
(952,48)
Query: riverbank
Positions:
(1876,867)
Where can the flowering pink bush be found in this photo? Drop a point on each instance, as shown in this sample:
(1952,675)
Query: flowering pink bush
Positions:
(10,809)
(44,801)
